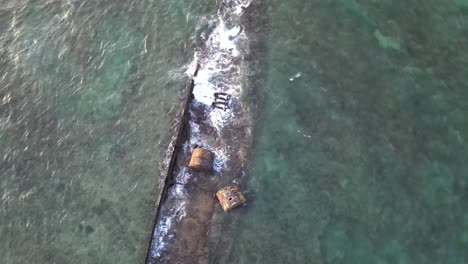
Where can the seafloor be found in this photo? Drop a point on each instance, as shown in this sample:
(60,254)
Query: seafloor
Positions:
(361,148)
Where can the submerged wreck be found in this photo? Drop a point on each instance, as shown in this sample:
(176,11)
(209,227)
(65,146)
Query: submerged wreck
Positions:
(209,155)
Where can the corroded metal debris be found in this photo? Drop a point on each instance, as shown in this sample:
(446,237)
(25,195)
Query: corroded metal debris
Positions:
(230,196)
(201,160)
(221,101)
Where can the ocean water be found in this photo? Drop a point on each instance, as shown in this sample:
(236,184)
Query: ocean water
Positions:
(360,136)
(360,154)
(88,93)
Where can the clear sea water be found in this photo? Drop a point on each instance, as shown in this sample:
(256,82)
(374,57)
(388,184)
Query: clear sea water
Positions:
(88,93)
(360,151)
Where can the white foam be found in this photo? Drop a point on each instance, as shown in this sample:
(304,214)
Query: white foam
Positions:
(203,90)
(220,161)
(226,36)
(184,176)
(212,77)
(166,222)
(218,72)
(297,75)
(192,67)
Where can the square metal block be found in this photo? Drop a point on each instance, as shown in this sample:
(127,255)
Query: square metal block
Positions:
(230,196)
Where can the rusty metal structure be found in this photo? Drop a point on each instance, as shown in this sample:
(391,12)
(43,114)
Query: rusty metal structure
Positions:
(230,197)
(201,160)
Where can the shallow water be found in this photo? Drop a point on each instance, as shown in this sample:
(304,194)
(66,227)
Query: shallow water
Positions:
(360,142)
(88,93)
(361,146)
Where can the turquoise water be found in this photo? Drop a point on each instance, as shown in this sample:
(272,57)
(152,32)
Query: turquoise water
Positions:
(360,141)
(88,93)
(361,146)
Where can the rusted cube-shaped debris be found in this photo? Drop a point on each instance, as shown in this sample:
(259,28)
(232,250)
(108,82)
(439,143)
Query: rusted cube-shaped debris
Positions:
(201,160)
(230,196)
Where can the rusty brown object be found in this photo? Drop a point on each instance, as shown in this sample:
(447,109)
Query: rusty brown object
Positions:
(201,160)
(230,196)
